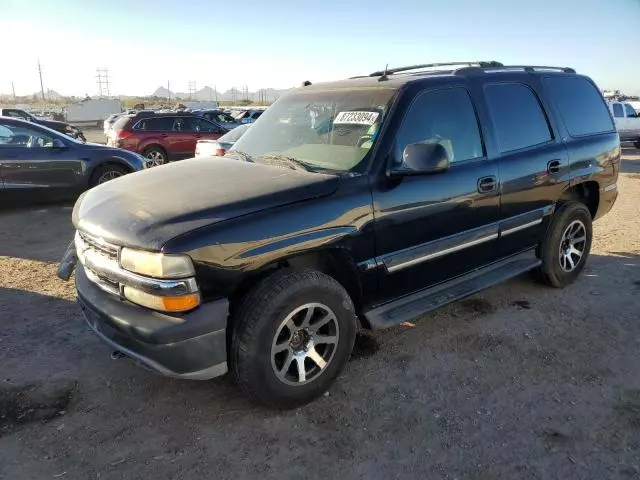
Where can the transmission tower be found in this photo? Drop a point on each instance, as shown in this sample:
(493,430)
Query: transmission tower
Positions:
(192,89)
(102,76)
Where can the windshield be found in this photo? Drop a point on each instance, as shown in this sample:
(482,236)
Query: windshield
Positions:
(323,129)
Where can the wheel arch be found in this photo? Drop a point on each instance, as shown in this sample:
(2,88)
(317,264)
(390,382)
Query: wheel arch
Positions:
(335,262)
(587,193)
(115,161)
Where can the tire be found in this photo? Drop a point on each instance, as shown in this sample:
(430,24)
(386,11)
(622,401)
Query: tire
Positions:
(571,222)
(274,317)
(105,173)
(155,156)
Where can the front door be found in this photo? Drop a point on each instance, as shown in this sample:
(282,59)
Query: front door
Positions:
(434,227)
(29,162)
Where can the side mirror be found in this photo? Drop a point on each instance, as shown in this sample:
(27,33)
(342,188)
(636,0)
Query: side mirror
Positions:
(422,158)
(57,143)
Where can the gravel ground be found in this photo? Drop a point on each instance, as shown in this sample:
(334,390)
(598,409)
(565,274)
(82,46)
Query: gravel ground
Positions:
(521,381)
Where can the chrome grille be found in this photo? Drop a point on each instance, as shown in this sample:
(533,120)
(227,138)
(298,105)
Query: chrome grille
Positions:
(99,245)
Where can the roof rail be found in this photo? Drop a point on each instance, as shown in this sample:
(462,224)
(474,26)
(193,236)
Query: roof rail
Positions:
(390,71)
(502,68)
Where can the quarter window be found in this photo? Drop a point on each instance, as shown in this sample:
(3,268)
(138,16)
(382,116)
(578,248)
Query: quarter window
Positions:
(580,104)
(617,110)
(517,116)
(446,117)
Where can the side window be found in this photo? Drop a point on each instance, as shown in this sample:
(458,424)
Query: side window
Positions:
(19,136)
(617,110)
(581,105)
(159,124)
(629,110)
(517,116)
(443,116)
(179,124)
(15,114)
(206,126)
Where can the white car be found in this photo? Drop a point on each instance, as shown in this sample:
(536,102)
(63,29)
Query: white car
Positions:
(213,148)
(627,122)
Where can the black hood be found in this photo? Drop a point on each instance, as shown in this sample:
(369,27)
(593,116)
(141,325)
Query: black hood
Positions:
(148,208)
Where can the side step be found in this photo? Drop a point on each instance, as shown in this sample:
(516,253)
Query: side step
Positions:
(419,303)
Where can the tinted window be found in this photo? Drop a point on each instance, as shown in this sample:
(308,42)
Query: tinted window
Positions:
(16,114)
(19,136)
(581,105)
(517,116)
(630,111)
(156,124)
(617,110)
(446,117)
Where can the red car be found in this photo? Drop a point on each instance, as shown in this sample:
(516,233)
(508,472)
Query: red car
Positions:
(162,137)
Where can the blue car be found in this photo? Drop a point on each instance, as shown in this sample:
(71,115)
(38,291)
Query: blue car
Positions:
(41,164)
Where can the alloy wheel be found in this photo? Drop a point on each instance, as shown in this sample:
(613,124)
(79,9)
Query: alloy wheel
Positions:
(109,175)
(155,158)
(572,245)
(304,344)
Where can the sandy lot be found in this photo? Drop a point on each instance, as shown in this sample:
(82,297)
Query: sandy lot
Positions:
(521,381)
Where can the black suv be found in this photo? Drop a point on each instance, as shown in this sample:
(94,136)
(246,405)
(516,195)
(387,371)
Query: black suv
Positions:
(360,203)
(62,127)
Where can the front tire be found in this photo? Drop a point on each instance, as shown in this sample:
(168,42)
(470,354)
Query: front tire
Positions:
(106,173)
(291,337)
(566,246)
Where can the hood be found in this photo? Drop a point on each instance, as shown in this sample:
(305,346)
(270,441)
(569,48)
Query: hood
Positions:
(148,208)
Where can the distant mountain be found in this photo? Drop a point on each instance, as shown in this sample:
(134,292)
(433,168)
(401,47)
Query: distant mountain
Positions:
(208,94)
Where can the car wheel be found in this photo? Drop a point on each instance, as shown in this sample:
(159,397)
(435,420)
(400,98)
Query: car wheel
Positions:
(566,246)
(155,156)
(291,337)
(105,173)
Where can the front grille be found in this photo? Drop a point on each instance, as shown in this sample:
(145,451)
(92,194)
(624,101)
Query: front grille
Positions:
(99,245)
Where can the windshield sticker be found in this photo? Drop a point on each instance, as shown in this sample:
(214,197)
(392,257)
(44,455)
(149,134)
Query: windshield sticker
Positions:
(356,118)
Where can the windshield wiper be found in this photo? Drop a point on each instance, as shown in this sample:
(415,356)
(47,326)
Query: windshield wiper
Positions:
(245,157)
(284,161)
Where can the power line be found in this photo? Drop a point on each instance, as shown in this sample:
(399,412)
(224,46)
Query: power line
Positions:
(41,84)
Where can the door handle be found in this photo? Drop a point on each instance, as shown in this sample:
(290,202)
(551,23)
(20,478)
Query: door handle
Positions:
(553,166)
(487,184)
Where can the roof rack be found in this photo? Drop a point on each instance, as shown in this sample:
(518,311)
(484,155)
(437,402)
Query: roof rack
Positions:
(503,68)
(390,71)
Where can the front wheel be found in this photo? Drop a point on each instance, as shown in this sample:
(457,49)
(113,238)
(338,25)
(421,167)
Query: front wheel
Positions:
(105,173)
(292,336)
(566,246)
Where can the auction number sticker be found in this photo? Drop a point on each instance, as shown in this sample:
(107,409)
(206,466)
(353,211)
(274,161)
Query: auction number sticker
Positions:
(356,118)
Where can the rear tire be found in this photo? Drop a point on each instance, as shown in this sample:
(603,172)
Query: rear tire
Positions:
(291,337)
(155,156)
(566,246)
(105,173)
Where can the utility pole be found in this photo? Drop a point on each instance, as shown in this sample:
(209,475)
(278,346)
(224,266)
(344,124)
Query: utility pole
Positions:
(168,93)
(103,81)
(13,89)
(215,89)
(41,84)
(192,88)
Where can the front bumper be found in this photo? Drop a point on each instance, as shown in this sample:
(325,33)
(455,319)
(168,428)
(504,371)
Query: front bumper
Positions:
(189,346)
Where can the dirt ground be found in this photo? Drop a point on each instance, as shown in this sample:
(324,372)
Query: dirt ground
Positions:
(521,381)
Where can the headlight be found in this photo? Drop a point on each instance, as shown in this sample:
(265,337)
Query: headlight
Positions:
(156,265)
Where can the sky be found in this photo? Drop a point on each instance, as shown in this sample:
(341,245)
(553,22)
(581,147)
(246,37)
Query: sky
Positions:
(280,43)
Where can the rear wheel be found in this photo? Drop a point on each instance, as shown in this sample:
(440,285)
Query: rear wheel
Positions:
(566,246)
(155,156)
(292,335)
(105,173)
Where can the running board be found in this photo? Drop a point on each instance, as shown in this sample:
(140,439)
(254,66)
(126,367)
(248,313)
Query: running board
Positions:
(417,304)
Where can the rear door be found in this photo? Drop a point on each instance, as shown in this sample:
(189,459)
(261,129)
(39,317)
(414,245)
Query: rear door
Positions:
(533,160)
(183,137)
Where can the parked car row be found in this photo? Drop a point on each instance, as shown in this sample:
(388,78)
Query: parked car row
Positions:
(61,127)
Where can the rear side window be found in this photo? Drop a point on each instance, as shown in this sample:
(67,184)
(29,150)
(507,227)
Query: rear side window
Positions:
(517,116)
(617,110)
(581,105)
(630,111)
(157,124)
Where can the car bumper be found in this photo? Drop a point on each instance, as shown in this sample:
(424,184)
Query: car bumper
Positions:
(608,197)
(190,346)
